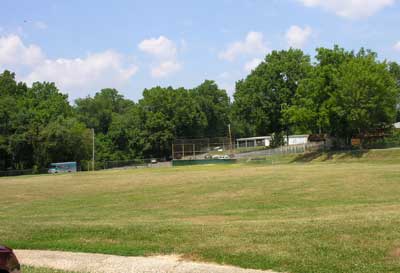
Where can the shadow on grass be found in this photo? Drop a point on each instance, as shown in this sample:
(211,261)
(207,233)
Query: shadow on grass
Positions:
(329,156)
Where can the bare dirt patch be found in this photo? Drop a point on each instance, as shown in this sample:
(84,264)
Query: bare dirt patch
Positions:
(395,252)
(100,263)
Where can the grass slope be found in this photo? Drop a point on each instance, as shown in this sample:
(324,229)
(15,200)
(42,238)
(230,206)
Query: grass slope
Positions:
(320,217)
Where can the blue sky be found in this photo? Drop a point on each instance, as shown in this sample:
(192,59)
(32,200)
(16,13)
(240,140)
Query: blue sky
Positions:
(84,46)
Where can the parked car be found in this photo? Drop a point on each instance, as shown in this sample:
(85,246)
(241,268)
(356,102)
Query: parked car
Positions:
(154,161)
(8,261)
(64,167)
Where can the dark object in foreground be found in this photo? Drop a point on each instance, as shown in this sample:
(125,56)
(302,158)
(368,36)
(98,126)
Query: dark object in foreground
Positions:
(8,261)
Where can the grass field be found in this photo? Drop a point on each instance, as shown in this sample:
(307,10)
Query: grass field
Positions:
(323,213)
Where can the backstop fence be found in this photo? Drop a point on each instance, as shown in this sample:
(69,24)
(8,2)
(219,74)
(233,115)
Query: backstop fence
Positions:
(205,148)
(224,148)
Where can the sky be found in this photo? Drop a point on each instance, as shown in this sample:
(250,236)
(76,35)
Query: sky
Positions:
(130,45)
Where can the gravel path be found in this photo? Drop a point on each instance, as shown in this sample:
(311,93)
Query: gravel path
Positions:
(100,263)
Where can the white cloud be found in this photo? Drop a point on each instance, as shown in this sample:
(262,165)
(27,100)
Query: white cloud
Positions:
(96,71)
(14,53)
(165,52)
(253,44)
(353,9)
(397,46)
(297,37)
(249,66)
(165,68)
(161,47)
(77,77)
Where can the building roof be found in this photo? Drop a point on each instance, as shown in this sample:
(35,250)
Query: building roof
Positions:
(292,136)
(254,138)
(268,137)
(397,125)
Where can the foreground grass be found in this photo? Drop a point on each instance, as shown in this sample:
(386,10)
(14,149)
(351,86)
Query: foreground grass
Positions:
(315,217)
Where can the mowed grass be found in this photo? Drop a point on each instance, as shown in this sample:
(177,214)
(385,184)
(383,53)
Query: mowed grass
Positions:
(336,213)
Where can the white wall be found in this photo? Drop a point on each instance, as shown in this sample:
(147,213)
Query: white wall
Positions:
(298,140)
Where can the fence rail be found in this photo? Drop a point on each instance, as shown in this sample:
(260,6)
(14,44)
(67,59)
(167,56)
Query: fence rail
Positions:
(284,150)
(133,164)
(99,165)
(155,163)
(22,172)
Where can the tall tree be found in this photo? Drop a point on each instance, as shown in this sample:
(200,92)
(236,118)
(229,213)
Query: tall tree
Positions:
(170,113)
(311,111)
(11,93)
(346,94)
(262,97)
(97,112)
(215,104)
(63,140)
(394,68)
(366,97)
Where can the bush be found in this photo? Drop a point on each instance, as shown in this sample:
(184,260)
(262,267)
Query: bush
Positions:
(388,142)
(277,140)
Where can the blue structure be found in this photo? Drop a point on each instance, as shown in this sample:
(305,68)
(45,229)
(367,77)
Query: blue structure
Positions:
(64,167)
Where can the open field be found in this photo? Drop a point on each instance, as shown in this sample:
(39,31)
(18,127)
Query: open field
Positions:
(335,213)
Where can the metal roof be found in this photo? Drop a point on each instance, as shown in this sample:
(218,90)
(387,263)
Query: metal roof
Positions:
(269,137)
(254,138)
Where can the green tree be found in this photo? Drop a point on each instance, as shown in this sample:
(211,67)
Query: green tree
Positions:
(127,135)
(366,97)
(262,97)
(394,69)
(215,104)
(97,112)
(311,111)
(63,140)
(107,113)
(346,94)
(10,94)
(170,113)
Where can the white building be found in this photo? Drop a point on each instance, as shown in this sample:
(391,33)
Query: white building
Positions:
(297,139)
(265,141)
(397,125)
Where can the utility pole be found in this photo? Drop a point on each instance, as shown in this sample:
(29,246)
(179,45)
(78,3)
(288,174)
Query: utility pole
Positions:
(230,137)
(92,149)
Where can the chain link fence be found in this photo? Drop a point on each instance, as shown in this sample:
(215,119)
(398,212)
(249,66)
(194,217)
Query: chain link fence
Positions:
(285,150)
(205,148)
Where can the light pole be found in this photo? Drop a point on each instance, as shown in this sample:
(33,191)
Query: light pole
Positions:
(92,149)
(230,137)
(284,106)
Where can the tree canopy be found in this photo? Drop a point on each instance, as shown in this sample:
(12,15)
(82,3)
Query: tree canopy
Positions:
(343,94)
(261,98)
(346,94)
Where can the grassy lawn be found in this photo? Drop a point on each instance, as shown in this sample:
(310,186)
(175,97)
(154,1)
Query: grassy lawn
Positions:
(334,213)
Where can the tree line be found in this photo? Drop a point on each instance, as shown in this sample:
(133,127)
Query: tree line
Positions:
(340,93)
